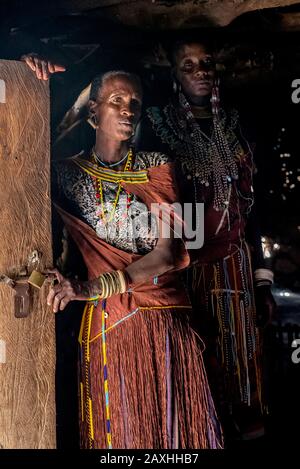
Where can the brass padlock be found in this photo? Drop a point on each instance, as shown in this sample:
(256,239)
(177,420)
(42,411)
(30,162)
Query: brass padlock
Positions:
(36,279)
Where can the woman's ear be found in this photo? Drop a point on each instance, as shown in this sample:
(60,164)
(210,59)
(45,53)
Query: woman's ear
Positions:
(92,106)
(92,120)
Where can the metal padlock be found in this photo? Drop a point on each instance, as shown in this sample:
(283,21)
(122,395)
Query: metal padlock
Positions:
(36,279)
(20,283)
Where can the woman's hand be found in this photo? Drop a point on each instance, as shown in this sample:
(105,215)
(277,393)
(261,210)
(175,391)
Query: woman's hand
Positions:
(67,290)
(43,68)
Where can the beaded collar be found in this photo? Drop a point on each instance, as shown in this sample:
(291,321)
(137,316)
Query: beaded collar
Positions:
(206,160)
(110,175)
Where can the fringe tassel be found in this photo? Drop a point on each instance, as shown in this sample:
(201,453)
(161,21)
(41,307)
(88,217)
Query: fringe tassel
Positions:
(86,410)
(228,295)
(158,392)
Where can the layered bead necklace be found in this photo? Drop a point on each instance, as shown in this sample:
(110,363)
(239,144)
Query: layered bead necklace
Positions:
(104,215)
(208,160)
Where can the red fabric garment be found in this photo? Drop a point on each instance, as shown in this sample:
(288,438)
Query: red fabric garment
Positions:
(101,257)
(151,375)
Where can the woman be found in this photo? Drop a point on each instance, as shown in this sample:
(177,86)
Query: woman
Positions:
(215,167)
(141,381)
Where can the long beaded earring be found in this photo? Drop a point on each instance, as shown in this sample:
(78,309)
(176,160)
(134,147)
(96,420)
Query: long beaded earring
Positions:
(215,98)
(176,86)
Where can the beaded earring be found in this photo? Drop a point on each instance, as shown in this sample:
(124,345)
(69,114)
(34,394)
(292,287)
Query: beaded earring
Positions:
(176,86)
(215,98)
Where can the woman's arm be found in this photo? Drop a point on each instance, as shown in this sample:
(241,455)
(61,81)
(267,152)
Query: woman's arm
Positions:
(159,261)
(163,258)
(253,237)
(264,300)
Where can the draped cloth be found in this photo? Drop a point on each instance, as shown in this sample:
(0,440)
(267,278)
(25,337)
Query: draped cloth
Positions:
(142,382)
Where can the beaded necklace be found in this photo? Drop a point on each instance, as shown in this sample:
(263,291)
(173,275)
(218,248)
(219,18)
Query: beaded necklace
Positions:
(100,196)
(210,160)
(107,165)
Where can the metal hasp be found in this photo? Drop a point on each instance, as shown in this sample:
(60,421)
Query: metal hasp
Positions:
(22,298)
(21,285)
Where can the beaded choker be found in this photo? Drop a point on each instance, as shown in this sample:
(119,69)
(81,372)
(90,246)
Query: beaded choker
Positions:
(107,165)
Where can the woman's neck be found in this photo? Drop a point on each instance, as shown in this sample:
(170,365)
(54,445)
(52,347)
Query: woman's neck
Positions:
(200,106)
(201,111)
(110,151)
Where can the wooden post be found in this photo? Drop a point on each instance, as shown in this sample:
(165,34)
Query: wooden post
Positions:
(27,345)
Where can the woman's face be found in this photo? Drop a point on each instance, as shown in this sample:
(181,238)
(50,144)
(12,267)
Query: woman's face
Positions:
(118,107)
(195,71)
